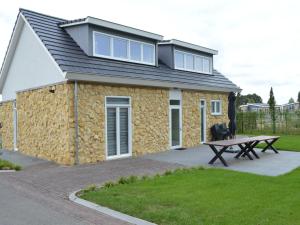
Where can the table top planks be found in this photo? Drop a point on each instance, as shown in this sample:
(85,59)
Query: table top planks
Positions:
(231,142)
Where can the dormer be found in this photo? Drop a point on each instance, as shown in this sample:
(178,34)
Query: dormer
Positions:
(185,56)
(104,39)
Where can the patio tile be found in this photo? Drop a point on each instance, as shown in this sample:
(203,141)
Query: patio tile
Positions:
(269,164)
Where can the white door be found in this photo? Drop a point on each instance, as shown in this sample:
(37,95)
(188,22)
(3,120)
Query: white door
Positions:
(15,125)
(203,121)
(118,129)
(175,124)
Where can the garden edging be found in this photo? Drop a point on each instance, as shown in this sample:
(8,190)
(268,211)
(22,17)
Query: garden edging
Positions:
(107,211)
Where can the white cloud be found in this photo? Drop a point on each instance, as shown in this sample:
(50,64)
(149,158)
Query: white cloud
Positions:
(258,41)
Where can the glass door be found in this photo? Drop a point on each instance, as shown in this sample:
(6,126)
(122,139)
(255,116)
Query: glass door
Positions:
(175,124)
(118,138)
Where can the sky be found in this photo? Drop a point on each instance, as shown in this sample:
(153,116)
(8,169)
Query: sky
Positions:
(258,41)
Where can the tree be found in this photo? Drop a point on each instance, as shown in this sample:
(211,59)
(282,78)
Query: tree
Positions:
(249,98)
(298,100)
(272,104)
(291,100)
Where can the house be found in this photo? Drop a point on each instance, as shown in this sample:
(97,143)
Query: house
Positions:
(89,90)
(257,107)
(290,107)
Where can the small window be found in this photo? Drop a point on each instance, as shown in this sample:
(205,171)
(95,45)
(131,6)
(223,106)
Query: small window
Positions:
(148,53)
(174,102)
(206,66)
(135,51)
(120,48)
(117,101)
(179,60)
(216,107)
(189,62)
(102,44)
(198,63)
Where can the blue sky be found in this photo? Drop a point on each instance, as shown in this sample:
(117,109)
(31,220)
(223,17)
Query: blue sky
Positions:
(258,41)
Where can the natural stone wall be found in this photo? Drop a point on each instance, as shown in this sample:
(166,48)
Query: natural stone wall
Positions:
(46,123)
(150,123)
(191,115)
(7,130)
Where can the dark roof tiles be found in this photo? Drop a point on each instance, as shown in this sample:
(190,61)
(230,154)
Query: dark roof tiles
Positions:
(71,58)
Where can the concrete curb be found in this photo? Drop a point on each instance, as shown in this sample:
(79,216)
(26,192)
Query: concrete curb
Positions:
(107,211)
(7,171)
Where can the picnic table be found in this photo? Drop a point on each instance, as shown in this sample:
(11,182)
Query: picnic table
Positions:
(246,146)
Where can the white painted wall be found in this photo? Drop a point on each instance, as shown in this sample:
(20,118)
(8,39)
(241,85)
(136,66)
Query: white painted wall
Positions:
(31,66)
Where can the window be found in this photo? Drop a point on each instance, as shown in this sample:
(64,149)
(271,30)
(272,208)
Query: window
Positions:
(102,44)
(148,53)
(135,51)
(120,48)
(179,59)
(216,107)
(189,62)
(109,46)
(192,62)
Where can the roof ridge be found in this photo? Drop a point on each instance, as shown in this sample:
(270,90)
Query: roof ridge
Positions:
(42,14)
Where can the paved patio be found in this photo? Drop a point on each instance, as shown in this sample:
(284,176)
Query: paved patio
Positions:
(269,164)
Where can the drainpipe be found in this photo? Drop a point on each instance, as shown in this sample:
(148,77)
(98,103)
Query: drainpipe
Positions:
(76,123)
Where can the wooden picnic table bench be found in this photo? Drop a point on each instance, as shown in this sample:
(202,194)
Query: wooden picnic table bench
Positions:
(246,146)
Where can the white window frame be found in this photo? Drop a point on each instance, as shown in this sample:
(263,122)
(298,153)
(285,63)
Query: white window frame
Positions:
(128,49)
(175,95)
(216,113)
(194,56)
(205,120)
(118,106)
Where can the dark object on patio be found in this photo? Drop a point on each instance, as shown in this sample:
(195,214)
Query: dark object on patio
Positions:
(219,132)
(180,148)
(231,114)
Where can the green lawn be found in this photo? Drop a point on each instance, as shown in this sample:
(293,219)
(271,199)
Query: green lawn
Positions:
(6,165)
(287,142)
(208,197)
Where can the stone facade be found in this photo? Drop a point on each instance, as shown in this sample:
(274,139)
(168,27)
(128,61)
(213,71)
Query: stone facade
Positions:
(46,124)
(191,115)
(7,130)
(150,123)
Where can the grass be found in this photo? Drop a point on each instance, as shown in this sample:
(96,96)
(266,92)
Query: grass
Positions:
(285,142)
(6,165)
(206,197)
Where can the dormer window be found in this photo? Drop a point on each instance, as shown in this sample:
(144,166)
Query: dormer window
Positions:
(192,62)
(119,48)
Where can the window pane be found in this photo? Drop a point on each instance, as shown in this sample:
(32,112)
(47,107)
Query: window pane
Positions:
(206,66)
(198,64)
(218,108)
(102,44)
(175,116)
(111,132)
(179,60)
(174,102)
(122,101)
(148,52)
(135,51)
(120,48)
(189,62)
(213,110)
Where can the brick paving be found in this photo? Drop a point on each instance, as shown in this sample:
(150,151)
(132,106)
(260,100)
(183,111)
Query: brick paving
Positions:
(49,185)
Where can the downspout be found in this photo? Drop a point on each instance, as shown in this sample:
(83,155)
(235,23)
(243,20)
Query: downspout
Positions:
(76,123)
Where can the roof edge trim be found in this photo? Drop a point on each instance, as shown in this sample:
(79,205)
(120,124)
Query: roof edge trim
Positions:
(114,26)
(188,45)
